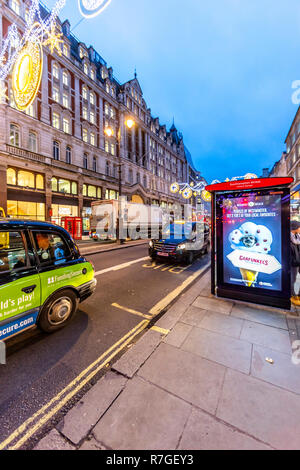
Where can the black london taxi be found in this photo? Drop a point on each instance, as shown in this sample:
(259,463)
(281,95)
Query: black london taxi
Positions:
(43,277)
(182,241)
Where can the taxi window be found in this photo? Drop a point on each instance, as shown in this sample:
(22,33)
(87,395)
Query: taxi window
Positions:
(51,248)
(13,255)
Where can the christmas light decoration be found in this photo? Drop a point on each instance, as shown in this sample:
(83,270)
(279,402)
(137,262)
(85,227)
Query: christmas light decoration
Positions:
(23,54)
(92,8)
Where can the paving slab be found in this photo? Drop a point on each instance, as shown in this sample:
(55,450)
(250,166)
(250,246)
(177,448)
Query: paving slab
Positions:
(257,315)
(143,418)
(92,444)
(54,441)
(222,324)
(282,373)
(193,316)
(214,305)
(169,320)
(186,375)
(132,360)
(263,335)
(225,350)
(261,410)
(178,335)
(82,418)
(204,432)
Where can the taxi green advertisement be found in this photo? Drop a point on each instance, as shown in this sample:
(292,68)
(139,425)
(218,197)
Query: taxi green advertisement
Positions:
(43,277)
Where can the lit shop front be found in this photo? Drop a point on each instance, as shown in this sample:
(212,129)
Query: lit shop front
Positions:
(295,203)
(25,195)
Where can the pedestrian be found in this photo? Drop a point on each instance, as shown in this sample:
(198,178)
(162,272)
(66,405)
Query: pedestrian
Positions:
(295,260)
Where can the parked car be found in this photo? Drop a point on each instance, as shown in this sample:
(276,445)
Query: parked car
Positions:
(182,242)
(43,277)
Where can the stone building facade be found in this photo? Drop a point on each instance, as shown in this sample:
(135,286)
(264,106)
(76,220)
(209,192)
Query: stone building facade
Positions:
(55,158)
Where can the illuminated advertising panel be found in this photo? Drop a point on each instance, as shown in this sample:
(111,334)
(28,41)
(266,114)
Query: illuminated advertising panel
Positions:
(252,241)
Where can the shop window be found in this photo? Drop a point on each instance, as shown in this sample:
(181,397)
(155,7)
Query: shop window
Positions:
(64,186)
(14,135)
(92,191)
(54,185)
(26,179)
(74,188)
(39,182)
(11,176)
(99,193)
(84,190)
(26,210)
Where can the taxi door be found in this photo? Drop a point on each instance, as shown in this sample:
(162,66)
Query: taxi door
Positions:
(20,291)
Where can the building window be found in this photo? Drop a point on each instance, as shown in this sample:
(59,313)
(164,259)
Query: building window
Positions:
(84,135)
(55,71)
(107,169)
(69,155)
(32,142)
(84,93)
(85,161)
(66,50)
(55,150)
(92,117)
(92,98)
(55,94)
(26,179)
(14,135)
(85,112)
(93,139)
(56,120)
(66,125)
(95,164)
(93,74)
(66,101)
(65,78)
(15,5)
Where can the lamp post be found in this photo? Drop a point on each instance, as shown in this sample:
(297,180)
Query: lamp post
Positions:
(109,132)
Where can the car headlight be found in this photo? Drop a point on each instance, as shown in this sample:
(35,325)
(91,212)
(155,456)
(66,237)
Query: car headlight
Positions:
(151,244)
(181,247)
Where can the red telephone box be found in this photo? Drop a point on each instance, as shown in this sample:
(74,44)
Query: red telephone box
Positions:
(73,225)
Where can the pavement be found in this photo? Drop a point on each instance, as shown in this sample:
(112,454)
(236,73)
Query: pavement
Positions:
(210,374)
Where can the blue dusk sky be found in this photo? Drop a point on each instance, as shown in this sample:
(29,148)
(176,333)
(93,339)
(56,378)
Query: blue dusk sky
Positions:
(224,69)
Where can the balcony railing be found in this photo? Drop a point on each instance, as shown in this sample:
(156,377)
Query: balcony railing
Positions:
(19,152)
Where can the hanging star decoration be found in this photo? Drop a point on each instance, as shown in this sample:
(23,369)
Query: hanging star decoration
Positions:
(54,40)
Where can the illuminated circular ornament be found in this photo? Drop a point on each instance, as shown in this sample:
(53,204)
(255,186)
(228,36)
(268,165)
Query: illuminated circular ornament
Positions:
(174,188)
(250,176)
(206,196)
(187,193)
(27,74)
(92,8)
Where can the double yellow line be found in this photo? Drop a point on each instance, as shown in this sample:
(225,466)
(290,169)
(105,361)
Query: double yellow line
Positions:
(35,422)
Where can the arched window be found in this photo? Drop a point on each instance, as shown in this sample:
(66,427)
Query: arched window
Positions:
(11,176)
(14,135)
(55,150)
(39,182)
(26,179)
(54,184)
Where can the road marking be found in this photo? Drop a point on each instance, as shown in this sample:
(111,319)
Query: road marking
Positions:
(130,310)
(160,330)
(162,304)
(121,266)
(22,434)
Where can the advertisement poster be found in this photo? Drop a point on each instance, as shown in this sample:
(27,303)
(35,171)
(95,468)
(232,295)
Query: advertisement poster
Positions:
(252,241)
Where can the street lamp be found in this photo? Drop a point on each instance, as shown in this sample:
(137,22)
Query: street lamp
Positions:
(109,132)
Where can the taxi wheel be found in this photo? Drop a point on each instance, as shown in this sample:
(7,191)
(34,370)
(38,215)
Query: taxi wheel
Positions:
(58,311)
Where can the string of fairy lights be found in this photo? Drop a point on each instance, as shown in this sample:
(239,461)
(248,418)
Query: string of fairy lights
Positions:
(21,55)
